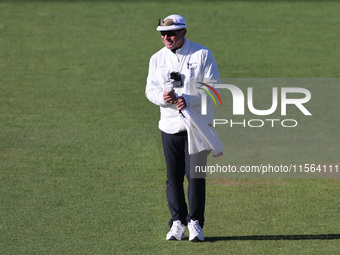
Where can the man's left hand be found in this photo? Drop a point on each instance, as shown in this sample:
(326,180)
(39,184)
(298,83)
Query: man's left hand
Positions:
(180,103)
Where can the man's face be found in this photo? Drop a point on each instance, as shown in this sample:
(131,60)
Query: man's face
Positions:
(173,39)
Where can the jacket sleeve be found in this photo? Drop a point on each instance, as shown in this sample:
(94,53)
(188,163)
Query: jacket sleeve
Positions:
(153,90)
(210,69)
(210,74)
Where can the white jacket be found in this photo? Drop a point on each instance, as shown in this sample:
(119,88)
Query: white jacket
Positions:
(200,135)
(192,61)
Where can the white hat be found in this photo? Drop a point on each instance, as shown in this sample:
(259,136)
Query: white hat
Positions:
(172,22)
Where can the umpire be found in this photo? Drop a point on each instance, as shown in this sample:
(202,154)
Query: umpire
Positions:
(184,60)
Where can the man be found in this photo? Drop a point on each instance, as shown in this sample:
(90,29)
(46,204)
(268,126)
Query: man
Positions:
(181,60)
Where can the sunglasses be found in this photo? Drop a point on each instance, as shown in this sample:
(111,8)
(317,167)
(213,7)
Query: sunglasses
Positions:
(171,33)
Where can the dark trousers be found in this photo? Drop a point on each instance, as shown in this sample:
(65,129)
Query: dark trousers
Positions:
(177,159)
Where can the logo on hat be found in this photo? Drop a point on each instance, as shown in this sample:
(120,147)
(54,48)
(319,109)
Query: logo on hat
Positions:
(172,22)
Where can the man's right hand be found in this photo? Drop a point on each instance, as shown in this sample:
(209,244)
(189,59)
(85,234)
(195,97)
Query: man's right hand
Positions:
(169,97)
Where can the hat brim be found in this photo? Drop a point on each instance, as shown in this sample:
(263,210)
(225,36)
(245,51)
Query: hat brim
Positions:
(170,28)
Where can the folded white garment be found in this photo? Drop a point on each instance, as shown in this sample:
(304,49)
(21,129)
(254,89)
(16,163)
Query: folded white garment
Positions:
(200,135)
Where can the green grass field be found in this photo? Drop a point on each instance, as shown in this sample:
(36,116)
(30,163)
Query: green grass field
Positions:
(81,163)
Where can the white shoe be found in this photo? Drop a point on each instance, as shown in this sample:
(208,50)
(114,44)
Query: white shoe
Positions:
(195,231)
(176,232)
